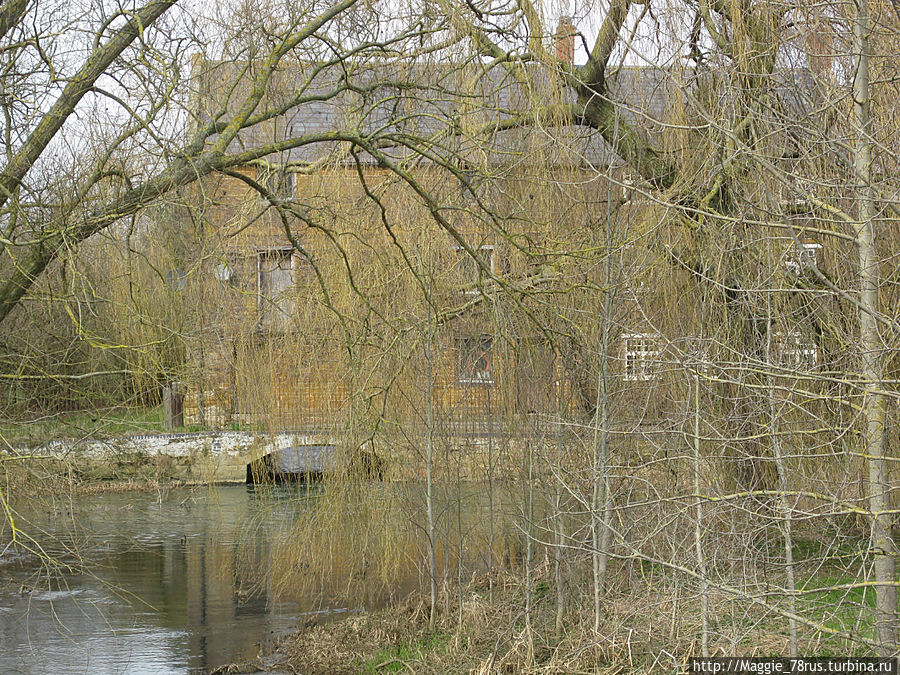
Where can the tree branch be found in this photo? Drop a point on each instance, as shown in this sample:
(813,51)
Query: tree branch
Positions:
(97,64)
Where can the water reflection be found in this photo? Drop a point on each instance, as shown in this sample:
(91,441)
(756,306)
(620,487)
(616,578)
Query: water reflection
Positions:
(161,587)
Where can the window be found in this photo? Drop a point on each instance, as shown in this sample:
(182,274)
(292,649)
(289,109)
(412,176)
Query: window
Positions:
(641,353)
(284,185)
(629,183)
(224,272)
(695,353)
(803,255)
(475,361)
(800,187)
(797,351)
(470,270)
(276,273)
(176,279)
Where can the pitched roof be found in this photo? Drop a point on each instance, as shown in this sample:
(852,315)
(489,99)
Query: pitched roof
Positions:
(449,111)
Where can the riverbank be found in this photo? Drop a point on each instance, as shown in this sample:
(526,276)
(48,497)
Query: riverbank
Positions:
(38,476)
(483,635)
(651,623)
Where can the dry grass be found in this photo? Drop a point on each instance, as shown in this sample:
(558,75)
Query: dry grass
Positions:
(481,636)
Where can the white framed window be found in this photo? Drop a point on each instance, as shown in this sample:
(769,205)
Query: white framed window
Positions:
(630,182)
(801,187)
(640,352)
(803,255)
(476,362)
(471,270)
(797,351)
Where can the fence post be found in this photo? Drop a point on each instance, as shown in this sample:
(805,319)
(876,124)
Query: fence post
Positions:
(173,406)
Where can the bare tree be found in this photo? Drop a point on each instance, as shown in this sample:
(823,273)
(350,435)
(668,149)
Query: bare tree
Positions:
(444,216)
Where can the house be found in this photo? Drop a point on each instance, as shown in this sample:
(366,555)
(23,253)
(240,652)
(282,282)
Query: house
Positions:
(400,255)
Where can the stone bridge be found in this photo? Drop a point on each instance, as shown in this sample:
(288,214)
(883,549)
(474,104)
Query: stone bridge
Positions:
(213,456)
(224,456)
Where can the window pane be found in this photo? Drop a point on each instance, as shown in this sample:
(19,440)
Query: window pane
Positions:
(468,268)
(475,362)
(641,353)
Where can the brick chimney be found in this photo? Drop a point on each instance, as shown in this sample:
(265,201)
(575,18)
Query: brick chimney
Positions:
(819,47)
(564,40)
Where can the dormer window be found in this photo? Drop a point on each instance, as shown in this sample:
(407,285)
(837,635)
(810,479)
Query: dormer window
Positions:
(803,255)
(630,183)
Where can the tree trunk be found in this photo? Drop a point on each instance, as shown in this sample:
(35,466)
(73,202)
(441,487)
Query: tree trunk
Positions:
(698,527)
(559,534)
(600,500)
(870,343)
(429,466)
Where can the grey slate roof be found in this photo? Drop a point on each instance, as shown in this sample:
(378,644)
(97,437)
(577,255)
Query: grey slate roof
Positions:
(423,104)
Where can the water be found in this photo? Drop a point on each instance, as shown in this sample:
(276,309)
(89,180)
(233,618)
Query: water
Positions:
(155,585)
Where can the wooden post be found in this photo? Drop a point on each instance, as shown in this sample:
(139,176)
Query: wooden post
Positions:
(173,406)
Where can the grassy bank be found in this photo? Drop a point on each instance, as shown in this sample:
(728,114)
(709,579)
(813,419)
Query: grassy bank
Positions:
(98,423)
(31,429)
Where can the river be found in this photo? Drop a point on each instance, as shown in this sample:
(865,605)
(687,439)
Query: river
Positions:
(153,583)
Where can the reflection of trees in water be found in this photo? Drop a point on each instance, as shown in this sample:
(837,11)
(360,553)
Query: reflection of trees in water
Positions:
(193,583)
(171,566)
(267,522)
